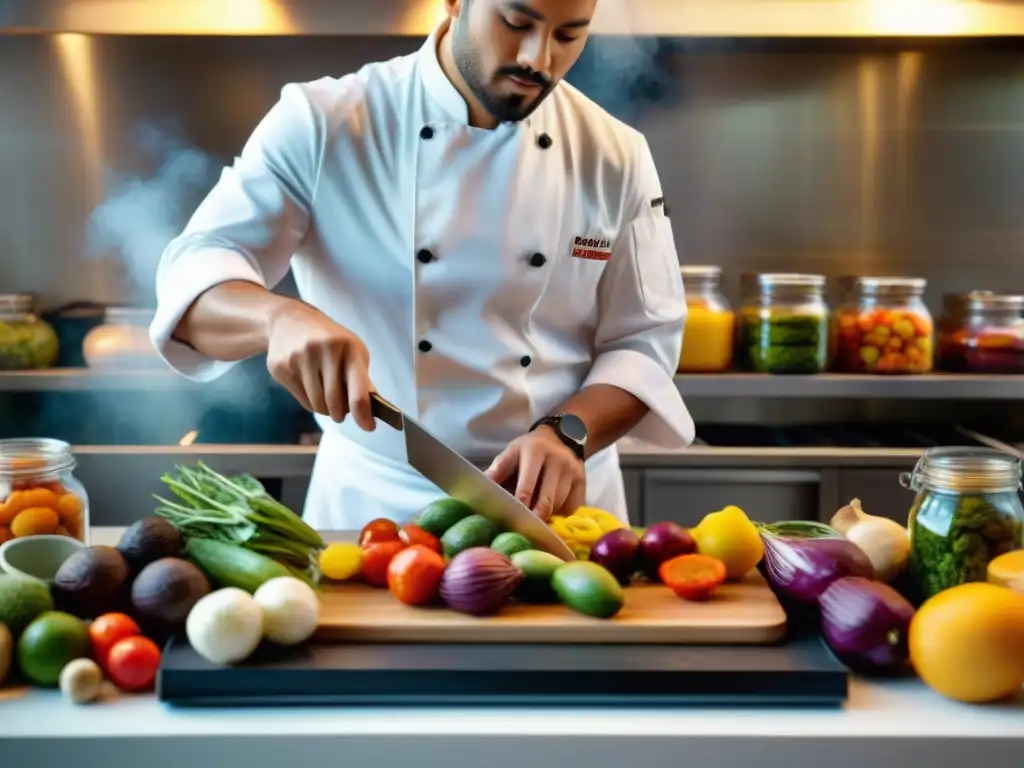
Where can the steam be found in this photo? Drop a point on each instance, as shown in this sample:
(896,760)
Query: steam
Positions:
(143,211)
(141,214)
(624,74)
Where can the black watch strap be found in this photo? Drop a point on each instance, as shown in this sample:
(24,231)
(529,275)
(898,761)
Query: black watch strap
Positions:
(570,430)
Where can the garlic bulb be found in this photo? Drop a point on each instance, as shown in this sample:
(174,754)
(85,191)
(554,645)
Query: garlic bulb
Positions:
(884,541)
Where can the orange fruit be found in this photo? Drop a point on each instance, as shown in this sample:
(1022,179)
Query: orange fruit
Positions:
(967,643)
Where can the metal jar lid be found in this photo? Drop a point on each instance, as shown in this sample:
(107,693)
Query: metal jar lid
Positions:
(993,302)
(17,303)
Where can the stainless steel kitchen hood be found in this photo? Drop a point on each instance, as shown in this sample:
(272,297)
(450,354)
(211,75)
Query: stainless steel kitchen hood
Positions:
(686,18)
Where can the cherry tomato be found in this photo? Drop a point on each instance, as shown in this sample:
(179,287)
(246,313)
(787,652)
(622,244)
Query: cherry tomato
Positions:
(133,662)
(377,531)
(376,559)
(693,577)
(106,630)
(413,534)
(414,575)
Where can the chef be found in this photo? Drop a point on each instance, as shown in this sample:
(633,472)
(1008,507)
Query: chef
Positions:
(472,238)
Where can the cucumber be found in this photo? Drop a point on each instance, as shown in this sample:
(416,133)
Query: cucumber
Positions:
(438,516)
(469,532)
(227,565)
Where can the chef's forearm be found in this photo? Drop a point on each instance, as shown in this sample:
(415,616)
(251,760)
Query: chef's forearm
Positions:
(609,413)
(231,321)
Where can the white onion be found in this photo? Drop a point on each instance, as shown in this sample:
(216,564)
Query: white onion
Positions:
(291,610)
(226,626)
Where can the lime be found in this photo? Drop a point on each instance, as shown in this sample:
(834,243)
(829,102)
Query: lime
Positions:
(47,645)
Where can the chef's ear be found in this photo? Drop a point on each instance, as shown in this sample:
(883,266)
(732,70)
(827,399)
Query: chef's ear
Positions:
(454,7)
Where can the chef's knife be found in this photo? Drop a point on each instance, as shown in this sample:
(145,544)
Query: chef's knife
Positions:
(461,480)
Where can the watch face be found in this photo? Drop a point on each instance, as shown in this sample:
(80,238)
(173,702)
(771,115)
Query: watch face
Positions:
(573,427)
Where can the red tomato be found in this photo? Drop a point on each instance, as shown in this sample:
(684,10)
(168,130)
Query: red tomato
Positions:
(414,575)
(693,577)
(377,531)
(106,630)
(376,559)
(413,534)
(133,662)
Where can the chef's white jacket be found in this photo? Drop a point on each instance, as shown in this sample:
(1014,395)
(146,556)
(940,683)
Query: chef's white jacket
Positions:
(491,273)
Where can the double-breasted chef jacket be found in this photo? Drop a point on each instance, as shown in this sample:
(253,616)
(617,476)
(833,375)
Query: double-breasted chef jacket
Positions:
(491,273)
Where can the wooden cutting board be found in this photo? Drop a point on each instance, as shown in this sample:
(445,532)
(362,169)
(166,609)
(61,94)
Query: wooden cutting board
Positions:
(745,613)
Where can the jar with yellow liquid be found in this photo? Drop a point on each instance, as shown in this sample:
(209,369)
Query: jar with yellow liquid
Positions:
(708,335)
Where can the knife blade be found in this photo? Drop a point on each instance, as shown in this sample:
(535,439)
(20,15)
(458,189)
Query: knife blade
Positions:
(460,479)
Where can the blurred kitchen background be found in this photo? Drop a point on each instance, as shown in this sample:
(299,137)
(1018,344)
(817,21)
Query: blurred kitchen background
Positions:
(851,137)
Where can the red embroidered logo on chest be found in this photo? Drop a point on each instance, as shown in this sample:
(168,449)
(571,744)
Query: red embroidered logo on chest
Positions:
(593,248)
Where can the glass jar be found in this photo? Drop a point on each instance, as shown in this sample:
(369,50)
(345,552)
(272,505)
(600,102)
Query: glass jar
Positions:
(708,335)
(967,512)
(26,341)
(885,328)
(784,324)
(39,493)
(122,342)
(982,332)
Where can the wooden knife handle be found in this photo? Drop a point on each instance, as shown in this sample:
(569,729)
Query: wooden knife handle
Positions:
(385,411)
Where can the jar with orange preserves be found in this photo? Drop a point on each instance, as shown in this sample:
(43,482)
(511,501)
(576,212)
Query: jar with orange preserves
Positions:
(885,328)
(39,493)
(708,334)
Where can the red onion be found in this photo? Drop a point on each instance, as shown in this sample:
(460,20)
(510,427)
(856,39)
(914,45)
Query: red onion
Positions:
(661,542)
(801,560)
(619,552)
(478,581)
(865,623)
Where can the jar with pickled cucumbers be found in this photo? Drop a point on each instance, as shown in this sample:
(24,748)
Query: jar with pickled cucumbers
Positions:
(885,328)
(26,341)
(967,511)
(708,334)
(39,493)
(784,324)
(982,332)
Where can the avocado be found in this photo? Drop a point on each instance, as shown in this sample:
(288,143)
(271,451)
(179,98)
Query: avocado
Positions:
(92,582)
(147,540)
(469,532)
(21,600)
(509,543)
(166,589)
(538,567)
(438,516)
(589,588)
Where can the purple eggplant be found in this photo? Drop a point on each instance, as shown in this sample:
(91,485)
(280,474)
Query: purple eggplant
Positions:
(865,623)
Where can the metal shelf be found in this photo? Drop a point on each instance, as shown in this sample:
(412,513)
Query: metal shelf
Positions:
(685,18)
(712,386)
(88,380)
(839,386)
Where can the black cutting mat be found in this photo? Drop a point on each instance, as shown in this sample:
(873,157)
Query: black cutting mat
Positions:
(801,672)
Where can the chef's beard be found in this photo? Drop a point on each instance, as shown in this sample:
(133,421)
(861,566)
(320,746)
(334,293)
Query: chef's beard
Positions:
(504,108)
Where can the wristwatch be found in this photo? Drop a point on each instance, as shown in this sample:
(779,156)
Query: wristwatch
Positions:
(570,430)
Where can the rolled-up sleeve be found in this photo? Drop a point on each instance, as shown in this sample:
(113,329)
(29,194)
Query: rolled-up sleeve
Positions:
(642,314)
(248,226)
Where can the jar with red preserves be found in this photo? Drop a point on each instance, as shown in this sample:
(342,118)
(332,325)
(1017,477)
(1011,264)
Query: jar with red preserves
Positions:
(983,332)
(39,493)
(885,328)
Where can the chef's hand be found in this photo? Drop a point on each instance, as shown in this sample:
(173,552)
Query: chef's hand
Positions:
(551,478)
(324,366)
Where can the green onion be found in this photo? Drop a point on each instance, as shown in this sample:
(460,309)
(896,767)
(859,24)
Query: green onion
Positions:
(238,510)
